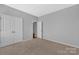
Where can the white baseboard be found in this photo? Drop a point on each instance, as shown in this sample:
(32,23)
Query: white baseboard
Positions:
(65,43)
(9,43)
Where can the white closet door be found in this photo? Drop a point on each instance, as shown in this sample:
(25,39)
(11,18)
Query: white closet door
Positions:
(11,30)
(0,29)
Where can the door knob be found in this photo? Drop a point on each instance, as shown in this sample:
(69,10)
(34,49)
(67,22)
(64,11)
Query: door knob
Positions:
(13,32)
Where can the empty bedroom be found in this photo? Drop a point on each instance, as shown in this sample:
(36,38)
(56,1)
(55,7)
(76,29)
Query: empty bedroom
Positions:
(39,29)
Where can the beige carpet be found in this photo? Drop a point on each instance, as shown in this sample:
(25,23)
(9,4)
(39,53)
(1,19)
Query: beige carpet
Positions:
(38,47)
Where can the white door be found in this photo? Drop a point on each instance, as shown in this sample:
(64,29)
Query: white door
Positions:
(39,29)
(11,30)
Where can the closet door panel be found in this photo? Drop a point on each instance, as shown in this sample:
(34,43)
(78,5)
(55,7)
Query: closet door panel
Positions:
(16,29)
(5,29)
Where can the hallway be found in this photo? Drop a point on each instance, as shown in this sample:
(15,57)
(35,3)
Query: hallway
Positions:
(38,47)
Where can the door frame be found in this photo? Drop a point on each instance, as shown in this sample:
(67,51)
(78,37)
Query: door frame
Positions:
(41,30)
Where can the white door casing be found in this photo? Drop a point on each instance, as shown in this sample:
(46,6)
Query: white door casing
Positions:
(39,29)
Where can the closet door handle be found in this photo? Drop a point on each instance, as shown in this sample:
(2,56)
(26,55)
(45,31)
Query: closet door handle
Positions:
(13,31)
(0,30)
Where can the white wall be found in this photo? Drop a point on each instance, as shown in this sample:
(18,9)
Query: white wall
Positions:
(62,26)
(0,28)
(27,20)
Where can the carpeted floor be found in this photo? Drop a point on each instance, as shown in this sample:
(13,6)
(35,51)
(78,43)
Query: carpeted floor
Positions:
(38,47)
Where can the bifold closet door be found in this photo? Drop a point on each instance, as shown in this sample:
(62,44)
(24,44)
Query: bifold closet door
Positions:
(0,29)
(11,30)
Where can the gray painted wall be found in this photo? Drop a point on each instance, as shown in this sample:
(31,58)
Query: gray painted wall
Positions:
(62,26)
(27,19)
(0,28)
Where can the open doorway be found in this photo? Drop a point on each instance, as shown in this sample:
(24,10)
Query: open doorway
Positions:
(38,29)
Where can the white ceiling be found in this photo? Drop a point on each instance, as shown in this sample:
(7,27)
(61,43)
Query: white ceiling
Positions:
(39,9)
